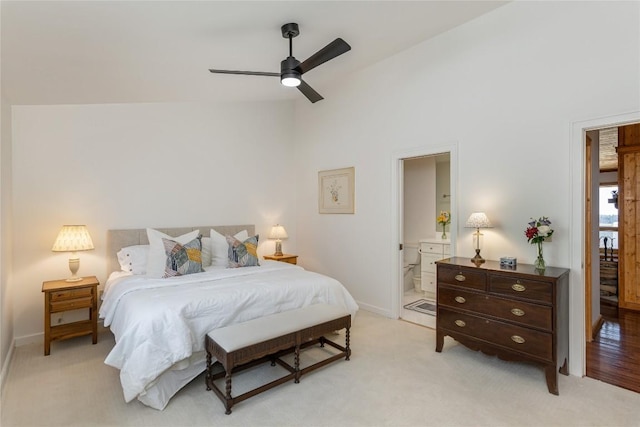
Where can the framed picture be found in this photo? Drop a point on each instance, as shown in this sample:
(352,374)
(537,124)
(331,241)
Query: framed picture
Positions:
(336,191)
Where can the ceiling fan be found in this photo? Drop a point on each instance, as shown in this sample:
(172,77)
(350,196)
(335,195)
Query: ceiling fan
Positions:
(291,70)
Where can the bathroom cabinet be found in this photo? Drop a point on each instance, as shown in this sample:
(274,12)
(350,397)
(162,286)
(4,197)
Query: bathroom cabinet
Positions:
(431,250)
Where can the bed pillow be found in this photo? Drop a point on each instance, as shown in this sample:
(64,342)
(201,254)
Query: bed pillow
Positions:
(206,251)
(220,247)
(243,254)
(133,259)
(157,257)
(183,259)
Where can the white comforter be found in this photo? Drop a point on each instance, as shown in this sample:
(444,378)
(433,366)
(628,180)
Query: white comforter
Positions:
(159,324)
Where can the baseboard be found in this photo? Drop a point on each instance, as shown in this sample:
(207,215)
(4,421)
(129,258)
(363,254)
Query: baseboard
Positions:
(29,339)
(5,367)
(374,309)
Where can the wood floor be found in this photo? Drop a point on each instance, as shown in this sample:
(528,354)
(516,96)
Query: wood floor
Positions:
(614,355)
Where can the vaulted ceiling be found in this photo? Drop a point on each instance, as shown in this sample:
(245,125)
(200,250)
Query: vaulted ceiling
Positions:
(159,51)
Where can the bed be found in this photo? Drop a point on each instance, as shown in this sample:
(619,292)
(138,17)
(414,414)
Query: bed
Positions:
(159,324)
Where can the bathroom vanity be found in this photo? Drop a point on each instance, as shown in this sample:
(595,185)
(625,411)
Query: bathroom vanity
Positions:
(431,250)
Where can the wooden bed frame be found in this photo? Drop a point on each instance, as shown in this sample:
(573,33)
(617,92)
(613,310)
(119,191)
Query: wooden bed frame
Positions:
(118,239)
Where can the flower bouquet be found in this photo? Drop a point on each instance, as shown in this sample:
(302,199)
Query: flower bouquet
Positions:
(444,219)
(537,231)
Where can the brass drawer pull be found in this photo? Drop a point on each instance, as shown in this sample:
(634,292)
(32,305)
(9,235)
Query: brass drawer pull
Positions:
(461,300)
(460,323)
(517,339)
(460,277)
(518,287)
(517,312)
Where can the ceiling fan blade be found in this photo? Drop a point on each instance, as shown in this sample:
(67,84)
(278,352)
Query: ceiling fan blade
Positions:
(330,51)
(248,73)
(308,91)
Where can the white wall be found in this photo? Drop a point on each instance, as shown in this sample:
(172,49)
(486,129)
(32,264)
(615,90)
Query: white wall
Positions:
(6,300)
(507,88)
(131,166)
(419,198)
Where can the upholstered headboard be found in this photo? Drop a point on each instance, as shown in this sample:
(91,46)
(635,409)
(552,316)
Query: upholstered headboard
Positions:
(118,239)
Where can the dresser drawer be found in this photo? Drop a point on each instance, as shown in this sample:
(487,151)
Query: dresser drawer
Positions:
(70,294)
(475,279)
(521,288)
(533,343)
(71,304)
(523,313)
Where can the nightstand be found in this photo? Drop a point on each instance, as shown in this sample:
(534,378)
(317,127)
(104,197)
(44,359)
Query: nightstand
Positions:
(291,259)
(60,296)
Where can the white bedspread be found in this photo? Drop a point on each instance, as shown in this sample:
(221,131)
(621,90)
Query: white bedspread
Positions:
(159,324)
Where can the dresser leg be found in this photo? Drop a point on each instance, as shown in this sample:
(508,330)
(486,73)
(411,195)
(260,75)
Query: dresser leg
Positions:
(551,373)
(564,370)
(439,341)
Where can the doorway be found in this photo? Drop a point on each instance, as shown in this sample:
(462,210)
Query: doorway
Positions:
(415,157)
(611,317)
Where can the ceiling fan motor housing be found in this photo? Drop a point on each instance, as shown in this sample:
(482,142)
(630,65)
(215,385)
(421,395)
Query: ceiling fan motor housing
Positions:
(288,72)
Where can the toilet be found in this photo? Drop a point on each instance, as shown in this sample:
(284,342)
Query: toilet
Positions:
(411,264)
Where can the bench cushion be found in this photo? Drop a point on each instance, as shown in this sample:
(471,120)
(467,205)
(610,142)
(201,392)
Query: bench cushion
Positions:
(240,335)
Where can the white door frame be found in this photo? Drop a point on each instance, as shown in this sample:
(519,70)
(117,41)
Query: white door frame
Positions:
(577,327)
(397,211)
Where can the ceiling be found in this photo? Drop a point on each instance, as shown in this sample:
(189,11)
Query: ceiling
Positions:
(608,156)
(83,52)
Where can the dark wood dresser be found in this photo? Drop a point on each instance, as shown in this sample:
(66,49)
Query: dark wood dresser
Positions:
(516,314)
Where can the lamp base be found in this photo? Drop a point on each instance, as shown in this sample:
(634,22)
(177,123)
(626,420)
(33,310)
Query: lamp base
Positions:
(278,248)
(477,259)
(74,265)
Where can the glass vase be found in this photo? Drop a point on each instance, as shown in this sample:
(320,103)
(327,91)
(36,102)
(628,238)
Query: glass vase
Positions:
(539,263)
(444,232)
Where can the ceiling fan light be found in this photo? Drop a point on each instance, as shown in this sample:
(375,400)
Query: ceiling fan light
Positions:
(290,79)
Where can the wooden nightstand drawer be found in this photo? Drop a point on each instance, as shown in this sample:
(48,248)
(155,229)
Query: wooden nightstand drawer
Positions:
(70,294)
(72,304)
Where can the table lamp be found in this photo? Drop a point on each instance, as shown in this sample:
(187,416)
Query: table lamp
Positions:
(73,238)
(478,220)
(278,233)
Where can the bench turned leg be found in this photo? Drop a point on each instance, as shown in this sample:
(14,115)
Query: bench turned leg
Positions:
(208,377)
(296,364)
(227,403)
(346,342)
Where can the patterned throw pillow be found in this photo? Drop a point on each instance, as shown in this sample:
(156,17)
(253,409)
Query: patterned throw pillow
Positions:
(243,254)
(183,259)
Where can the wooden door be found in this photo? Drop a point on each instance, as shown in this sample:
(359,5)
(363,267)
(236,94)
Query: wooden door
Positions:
(587,243)
(629,217)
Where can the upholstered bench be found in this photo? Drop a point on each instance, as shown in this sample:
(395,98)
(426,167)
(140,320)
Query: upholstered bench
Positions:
(243,345)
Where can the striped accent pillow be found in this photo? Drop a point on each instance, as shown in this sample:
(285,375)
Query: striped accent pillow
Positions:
(243,254)
(183,259)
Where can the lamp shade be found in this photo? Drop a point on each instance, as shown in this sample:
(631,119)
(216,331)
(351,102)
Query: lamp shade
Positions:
(478,220)
(278,232)
(73,238)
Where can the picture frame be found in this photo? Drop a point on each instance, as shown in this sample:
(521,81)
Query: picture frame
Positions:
(336,191)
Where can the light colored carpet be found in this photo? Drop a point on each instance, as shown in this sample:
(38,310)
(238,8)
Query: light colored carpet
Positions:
(394,378)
